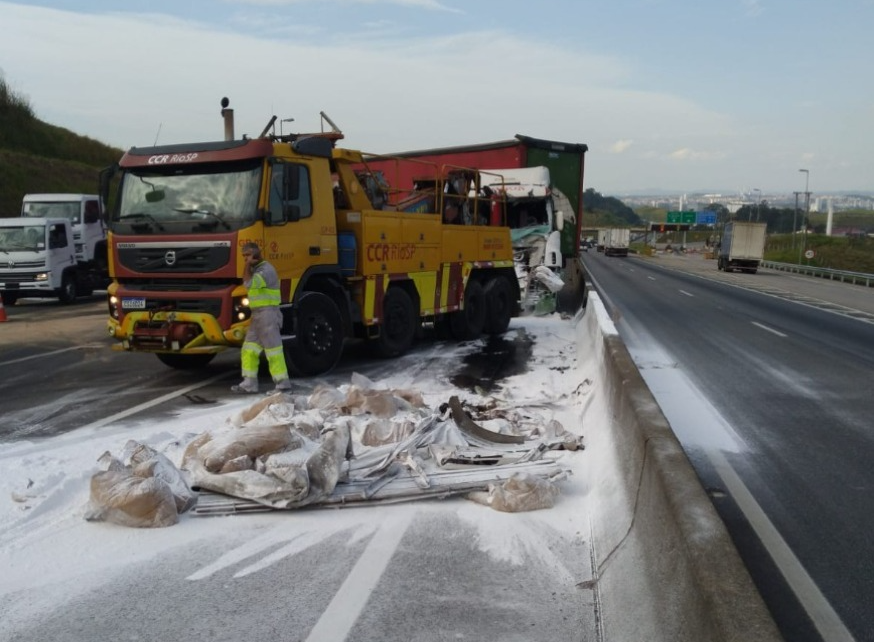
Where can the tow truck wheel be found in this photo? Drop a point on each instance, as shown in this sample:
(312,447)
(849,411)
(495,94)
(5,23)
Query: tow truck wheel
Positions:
(318,341)
(499,305)
(185,361)
(468,323)
(398,324)
(68,291)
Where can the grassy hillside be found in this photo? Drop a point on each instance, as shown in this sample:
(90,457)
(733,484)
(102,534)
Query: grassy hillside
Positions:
(38,157)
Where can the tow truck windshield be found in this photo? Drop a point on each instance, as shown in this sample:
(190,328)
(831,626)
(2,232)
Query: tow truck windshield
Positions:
(183,199)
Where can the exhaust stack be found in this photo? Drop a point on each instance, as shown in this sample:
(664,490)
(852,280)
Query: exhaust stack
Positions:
(228,115)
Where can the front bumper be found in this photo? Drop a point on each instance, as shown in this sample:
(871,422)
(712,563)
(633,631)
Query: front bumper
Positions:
(177,332)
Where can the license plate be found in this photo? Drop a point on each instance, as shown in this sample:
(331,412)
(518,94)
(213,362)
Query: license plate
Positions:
(129,303)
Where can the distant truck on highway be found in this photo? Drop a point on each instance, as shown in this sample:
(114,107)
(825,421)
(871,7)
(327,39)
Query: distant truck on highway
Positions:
(602,240)
(617,240)
(742,247)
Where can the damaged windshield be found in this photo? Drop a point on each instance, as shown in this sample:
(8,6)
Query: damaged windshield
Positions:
(30,238)
(69,210)
(191,198)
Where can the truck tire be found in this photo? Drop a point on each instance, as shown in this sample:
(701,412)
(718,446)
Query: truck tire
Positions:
(9,298)
(499,305)
(318,341)
(68,291)
(86,285)
(398,328)
(469,323)
(185,361)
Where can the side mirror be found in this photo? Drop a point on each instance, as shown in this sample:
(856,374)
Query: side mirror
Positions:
(559,220)
(103,185)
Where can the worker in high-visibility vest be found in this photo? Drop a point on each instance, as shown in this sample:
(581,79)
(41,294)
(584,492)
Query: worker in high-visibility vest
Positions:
(264,333)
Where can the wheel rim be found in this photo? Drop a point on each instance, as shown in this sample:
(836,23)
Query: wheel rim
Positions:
(320,338)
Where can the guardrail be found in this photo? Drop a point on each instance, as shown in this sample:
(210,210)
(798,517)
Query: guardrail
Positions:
(856,278)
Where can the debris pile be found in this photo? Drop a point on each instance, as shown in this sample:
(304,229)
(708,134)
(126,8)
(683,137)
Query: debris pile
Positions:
(352,445)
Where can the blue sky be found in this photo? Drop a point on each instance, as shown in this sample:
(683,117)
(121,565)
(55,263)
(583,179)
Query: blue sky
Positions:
(679,95)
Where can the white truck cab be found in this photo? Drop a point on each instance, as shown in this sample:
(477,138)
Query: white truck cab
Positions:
(82,210)
(38,259)
(534,214)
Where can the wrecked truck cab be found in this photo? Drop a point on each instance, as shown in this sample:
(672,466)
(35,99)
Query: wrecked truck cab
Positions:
(535,213)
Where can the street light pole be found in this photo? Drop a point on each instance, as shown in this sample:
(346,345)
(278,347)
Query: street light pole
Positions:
(795,219)
(806,209)
(758,204)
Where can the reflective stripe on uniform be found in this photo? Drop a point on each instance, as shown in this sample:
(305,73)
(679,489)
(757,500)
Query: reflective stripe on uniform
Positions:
(276,363)
(264,287)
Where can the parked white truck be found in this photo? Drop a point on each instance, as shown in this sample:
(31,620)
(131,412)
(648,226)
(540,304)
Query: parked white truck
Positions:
(617,241)
(742,247)
(38,259)
(84,213)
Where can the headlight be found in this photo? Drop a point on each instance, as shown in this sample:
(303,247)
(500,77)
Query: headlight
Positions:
(41,276)
(112,300)
(242,311)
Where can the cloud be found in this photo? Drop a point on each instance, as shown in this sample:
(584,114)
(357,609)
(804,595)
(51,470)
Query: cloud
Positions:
(620,146)
(753,8)
(397,86)
(685,154)
(431,5)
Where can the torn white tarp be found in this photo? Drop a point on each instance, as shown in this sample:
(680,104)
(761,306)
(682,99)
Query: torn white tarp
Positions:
(437,456)
(361,444)
(141,489)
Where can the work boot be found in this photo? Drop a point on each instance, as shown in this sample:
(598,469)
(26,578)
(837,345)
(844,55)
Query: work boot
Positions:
(248,386)
(283,385)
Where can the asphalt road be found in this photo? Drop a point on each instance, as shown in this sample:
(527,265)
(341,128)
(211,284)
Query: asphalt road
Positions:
(58,372)
(766,379)
(428,571)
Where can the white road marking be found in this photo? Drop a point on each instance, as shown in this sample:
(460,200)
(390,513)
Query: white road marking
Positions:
(82,433)
(154,402)
(340,615)
(764,327)
(651,278)
(50,354)
(695,421)
(686,293)
(826,621)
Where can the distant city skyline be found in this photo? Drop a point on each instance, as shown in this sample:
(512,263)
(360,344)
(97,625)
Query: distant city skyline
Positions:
(695,201)
(671,95)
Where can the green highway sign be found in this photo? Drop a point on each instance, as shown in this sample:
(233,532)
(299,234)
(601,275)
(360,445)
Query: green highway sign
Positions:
(685,216)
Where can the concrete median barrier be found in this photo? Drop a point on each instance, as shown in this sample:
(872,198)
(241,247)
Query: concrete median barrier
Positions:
(665,567)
